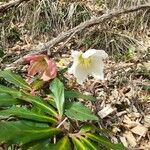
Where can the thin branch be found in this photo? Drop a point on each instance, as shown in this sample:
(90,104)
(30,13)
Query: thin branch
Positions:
(94,21)
(62,122)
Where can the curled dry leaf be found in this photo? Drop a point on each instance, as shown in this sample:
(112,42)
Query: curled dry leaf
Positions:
(43,66)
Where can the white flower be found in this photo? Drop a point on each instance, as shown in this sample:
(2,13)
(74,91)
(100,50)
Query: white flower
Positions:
(88,63)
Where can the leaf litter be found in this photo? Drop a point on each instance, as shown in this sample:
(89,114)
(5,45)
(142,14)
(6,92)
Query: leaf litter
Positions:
(123,104)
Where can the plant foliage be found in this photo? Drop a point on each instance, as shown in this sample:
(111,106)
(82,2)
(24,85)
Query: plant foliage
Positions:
(39,122)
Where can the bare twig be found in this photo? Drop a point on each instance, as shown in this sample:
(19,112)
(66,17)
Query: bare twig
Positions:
(5,6)
(94,21)
(62,122)
(62,46)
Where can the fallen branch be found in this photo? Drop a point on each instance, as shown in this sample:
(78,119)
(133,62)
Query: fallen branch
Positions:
(94,21)
(5,6)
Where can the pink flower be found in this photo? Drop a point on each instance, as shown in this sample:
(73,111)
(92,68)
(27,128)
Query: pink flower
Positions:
(43,66)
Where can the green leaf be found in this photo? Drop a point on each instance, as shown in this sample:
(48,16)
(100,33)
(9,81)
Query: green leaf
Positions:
(37,84)
(105,142)
(38,145)
(76,94)
(15,93)
(78,144)
(87,128)
(15,79)
(7,100)
(21,132)
(27,114)
(35,100)
(78,111)
(89,144)
(57,89)
(62,144)
(40,103)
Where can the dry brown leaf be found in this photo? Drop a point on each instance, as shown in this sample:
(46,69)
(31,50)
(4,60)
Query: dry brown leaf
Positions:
(16,48)
(147,65)
(147,120)
(130,138)
(129,123)
(140,130)
(124,141)
(106,111)
(121,113)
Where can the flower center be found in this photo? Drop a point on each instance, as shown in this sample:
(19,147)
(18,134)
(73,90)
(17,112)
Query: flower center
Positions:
(86,62)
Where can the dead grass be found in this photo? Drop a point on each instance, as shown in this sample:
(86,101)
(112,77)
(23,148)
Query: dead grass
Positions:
(44,19)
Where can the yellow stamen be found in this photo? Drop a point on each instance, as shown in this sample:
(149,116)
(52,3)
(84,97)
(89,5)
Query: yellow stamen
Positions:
(86,62)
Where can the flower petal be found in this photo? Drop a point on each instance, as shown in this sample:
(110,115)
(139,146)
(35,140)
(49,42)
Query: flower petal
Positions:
(33,57)
(51,70)
(75,54)
(80,73)
(89,53)
(45,77)
(71,69)
(96,69)
(94,52)
(88,63)
(36,67)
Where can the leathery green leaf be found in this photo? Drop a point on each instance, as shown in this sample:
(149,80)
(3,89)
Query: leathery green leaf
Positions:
(89,144)
(78,111)
(62,144)
(86,128)
(15,93)
(37,145)
(105,142)
(21,132)
(27,114)
(40,103)
(7,100)
(78,144)
(57,89)
(15,79)
(76,94)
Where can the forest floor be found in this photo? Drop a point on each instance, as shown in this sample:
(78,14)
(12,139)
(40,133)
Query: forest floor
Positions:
(123,98)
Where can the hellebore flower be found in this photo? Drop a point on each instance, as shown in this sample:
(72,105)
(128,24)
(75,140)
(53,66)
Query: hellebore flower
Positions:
(41,65)
(88,63)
